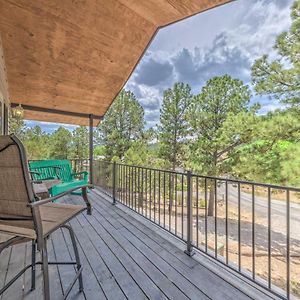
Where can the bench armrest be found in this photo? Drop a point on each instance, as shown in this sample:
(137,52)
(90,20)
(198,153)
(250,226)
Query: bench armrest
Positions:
(84,196)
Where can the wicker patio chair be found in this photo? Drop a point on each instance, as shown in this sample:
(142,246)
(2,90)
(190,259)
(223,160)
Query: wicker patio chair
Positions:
(23,217)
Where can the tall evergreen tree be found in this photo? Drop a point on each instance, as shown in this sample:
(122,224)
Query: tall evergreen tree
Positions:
(61,140)
(36,142)
(263,159)
(123,123)
(17,126)
(173,128)
(280,78)
(80,142)
(220,122)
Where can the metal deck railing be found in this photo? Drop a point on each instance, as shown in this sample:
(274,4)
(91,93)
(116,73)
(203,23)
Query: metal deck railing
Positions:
(250,227)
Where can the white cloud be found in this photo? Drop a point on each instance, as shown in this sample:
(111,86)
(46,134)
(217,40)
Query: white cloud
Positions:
(223,40)
(150,97)
(262,23)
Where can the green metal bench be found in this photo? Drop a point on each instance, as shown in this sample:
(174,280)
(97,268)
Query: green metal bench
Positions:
(58,169)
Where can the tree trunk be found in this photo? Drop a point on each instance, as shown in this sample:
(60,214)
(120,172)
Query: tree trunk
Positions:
(211,201)
(171,189)
(140,190)
(140,199)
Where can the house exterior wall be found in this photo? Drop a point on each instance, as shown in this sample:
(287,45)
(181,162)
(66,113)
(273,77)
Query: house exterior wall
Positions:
(4,96)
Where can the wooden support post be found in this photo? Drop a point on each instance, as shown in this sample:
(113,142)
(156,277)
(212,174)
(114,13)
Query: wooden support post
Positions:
(114,181)
(91,147)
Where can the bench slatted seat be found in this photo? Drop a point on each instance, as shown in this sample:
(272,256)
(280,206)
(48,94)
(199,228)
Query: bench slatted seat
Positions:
(58,169)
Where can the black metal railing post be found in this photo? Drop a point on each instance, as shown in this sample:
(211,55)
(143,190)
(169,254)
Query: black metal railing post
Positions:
(189,250)
(114,175)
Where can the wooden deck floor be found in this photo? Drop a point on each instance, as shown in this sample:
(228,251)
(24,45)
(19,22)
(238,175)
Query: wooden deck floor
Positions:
(124,257)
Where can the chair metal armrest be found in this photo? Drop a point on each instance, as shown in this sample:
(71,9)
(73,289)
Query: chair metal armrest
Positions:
(84,195)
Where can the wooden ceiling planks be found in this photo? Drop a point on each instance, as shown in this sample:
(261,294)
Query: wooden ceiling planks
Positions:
(164,12)
(76,55)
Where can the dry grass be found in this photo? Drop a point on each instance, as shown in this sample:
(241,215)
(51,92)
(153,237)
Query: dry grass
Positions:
(278,257)
(275,194)
(278,234)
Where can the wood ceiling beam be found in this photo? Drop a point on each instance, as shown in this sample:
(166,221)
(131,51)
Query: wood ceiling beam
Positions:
(56,111)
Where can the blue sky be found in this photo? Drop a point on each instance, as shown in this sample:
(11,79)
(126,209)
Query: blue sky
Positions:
(224,40)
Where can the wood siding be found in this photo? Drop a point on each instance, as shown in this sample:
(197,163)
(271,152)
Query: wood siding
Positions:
(3,78)
(4,96)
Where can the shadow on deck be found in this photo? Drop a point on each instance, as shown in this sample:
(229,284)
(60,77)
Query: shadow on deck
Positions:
(124,257)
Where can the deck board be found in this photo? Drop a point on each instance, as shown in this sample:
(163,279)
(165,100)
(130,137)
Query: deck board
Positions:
(123,257)
(16,261)
(150,279)
(169,280)
(91,284)
(131,271)
(93,263)
(4,261)
(185,274)
(209,283)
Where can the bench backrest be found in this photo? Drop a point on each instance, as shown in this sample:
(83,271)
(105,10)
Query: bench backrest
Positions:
(46,169)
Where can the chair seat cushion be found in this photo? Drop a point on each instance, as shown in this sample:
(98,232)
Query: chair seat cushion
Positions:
(53,215)
(17,231)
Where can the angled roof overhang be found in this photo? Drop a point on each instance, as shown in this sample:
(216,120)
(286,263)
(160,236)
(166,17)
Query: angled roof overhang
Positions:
(76,55)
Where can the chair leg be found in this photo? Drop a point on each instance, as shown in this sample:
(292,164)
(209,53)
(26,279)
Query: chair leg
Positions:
(45,271)
(33,265)
(78,263)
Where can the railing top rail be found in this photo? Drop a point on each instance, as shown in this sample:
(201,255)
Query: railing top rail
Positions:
(247,182)
(274,186)
(153,169)
(267,185)
(79,159)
